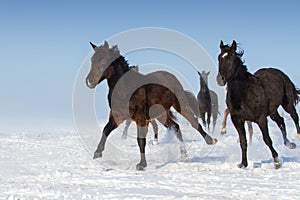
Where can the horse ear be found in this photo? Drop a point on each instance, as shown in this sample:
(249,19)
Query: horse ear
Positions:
(208,73)
(233,46)
(106,44)
(199,73)
(93,46)
(221,44)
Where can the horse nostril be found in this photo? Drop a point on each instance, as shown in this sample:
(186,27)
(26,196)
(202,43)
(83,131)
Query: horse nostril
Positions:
(91,80)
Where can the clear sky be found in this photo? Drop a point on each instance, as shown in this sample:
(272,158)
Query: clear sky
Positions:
(43,44)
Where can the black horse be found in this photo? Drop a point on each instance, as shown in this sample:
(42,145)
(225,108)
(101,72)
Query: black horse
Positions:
(138,97)
(204,100)
(254,97)
(213,98)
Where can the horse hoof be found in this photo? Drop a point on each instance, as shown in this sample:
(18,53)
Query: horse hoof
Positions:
(214,141)
(97,155)
(241,165)
(140,167)
(223,131)
(291,145)
(277,165)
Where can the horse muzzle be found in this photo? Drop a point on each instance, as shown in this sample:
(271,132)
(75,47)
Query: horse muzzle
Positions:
(221,80)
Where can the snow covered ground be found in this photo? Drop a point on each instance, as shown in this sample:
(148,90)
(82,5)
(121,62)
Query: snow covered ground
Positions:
(58,164)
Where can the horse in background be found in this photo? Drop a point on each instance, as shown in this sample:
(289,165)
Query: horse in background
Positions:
(140,98)
(214,100)
(254,97)
(204,100)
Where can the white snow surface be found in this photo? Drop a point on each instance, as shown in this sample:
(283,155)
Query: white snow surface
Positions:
(58,164)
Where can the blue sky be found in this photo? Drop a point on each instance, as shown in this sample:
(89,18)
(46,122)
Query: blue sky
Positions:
(43,44)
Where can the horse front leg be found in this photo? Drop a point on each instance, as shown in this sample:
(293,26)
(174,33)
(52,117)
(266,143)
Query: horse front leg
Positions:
(208,119)
(109,127)
(239,126)
(141,139)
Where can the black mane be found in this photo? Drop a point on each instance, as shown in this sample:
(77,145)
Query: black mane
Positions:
(119,60)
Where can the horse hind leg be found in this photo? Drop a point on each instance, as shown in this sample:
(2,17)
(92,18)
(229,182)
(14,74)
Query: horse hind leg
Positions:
(202,116)
(187,113)
(226,113)
(280,123)
(155,129)
(262,123)
(293,113)
(214,116)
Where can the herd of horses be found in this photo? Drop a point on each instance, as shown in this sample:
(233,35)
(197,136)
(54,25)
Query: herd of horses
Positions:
(145,98)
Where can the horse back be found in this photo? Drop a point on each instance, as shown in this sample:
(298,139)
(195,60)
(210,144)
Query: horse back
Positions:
(279,89)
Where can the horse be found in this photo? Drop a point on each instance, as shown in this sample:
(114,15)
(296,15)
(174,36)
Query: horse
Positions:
(139,97)
(254,97)
(204,100)
(214,100)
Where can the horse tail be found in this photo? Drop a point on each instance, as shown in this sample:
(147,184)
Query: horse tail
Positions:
(297,97)
(290,86)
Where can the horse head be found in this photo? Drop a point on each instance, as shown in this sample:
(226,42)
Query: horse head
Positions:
(228,60)
(101,63)
(204,76)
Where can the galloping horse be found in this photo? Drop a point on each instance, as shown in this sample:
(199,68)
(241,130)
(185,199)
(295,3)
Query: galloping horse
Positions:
(139,97)
(254,97)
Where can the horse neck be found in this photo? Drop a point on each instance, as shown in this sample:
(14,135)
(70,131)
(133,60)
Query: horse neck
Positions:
(120,67)
(203,85)
(237,86)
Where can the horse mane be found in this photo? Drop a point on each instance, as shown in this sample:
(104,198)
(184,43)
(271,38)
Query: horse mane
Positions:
(243,68)
(119,60)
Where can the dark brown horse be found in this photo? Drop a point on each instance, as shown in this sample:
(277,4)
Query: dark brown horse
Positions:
(204,100)
(138,97)
(254,97)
